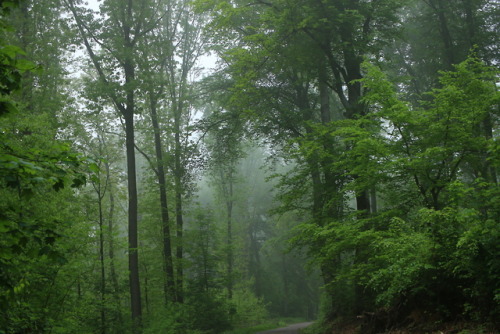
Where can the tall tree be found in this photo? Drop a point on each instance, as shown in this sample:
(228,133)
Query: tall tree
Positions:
(152,66)
(112,42)
(183,49)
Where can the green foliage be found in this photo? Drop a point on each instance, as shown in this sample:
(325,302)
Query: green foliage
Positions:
(11,70)
(203,312)
(430,161)
(435,143)
(433,242)
(401,257)
(28,177)
(249,310)
(207,312)
(163,321)
(38,174)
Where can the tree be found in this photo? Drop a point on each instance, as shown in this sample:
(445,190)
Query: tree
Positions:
(187,31)
(169,55)
(115,63)
(153,67)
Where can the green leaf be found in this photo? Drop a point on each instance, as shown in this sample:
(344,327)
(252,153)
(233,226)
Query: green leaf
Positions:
(94,167)
(12,51)
(25,65)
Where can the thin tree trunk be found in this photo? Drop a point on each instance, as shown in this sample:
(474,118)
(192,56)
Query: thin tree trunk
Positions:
(100,189)
(324,97)
(180,248)
(286,289)
(146,289)
(169,286)
(178,210)
(230,259)
(101,260)
(111,248)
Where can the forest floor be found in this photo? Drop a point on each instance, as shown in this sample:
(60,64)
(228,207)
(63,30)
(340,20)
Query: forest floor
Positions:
(418,325)
(458,327)
(292,329)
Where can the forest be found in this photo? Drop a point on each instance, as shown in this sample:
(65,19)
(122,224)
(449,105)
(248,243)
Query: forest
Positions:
(232,166)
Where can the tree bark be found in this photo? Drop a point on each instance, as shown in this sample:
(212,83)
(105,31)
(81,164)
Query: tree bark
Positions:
(135,291)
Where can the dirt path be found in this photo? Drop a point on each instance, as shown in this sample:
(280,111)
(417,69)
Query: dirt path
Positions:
(292,329)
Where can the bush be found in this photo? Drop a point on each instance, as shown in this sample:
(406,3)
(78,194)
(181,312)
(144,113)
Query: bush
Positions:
(207,312)
(249,310)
